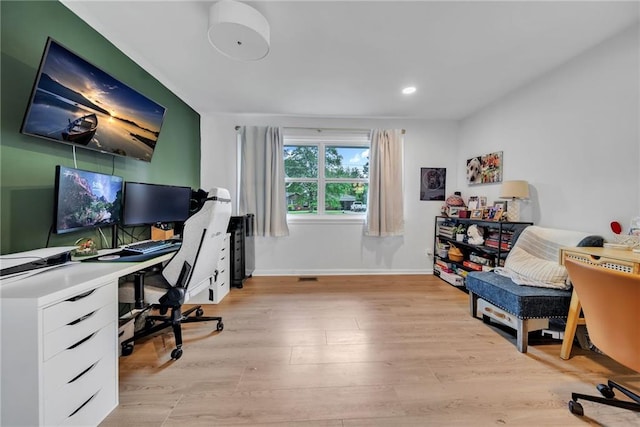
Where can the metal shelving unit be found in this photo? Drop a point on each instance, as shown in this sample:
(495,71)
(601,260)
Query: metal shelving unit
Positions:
(493,254)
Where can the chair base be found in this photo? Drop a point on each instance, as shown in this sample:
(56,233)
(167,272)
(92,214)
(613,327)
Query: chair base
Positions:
(173,320)
(608,399)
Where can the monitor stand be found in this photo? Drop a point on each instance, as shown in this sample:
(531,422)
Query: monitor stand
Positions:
(114,236)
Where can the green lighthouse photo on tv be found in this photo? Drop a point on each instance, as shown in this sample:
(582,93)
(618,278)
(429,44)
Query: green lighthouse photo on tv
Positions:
(76,103)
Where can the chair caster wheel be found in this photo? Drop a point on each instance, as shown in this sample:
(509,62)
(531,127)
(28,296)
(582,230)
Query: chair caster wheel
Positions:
(240,286)
(149,323)
(199,312)
(176,354)
(127,350)
(575,408)
(220,326)
(606,391)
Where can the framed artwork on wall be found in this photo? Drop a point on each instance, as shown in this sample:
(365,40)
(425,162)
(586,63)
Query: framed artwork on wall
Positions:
(485,169)
(432,183)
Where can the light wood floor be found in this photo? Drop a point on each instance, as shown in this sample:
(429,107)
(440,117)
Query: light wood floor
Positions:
(357,351)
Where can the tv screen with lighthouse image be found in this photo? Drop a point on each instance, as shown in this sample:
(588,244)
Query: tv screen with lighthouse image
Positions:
(75,102)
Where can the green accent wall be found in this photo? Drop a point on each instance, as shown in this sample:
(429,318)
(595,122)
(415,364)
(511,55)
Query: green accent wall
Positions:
(27,164)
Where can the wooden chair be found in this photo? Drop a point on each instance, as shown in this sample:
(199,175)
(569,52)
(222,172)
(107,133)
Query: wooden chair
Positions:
(611,305)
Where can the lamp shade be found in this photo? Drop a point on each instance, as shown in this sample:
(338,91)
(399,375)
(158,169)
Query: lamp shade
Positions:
(515,190)
(238,31)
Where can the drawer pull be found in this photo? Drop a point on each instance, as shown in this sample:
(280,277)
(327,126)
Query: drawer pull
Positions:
(495,313)
(79,297)
(80,319)
(82,373)
(82,406)
(81,341)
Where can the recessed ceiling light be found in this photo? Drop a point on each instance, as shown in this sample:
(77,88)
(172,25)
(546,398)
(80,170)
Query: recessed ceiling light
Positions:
(409,90)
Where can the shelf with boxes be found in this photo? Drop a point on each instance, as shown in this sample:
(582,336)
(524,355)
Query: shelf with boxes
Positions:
(464,244)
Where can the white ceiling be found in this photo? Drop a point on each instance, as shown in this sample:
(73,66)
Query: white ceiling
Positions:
(351,58)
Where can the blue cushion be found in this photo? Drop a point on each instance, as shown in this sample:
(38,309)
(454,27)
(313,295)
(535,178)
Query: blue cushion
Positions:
(524,302)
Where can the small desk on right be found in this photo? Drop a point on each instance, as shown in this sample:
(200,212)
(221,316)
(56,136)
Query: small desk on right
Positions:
(616,259)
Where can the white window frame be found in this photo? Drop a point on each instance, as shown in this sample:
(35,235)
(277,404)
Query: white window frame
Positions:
(326,138)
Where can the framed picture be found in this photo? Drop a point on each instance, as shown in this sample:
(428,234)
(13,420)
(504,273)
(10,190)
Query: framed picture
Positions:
(483,201)
(473,203)
(476,214)
(485,169)
(495,213)
(432,183)
(502,204)
(454,211)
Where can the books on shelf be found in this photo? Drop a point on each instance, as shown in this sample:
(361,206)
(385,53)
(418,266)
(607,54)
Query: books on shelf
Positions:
(446,230)
(453,279)
(472,265)
(495,240)
(443,266)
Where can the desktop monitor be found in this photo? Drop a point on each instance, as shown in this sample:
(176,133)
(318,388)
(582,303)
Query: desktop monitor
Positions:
(149,204)
(85,199)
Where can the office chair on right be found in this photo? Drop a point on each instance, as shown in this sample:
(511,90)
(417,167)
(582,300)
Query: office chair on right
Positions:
(611,305)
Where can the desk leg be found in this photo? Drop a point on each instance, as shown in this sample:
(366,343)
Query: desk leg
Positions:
(570,330)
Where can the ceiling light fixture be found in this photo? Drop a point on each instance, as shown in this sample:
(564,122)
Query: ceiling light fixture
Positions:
(409,90)
(238,30)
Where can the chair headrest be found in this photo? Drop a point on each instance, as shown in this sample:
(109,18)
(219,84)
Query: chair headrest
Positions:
(221,194)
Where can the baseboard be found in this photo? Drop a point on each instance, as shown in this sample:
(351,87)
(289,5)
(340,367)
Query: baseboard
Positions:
(342,272)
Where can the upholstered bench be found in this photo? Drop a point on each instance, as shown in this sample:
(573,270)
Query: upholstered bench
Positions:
(523,308)
(532,287)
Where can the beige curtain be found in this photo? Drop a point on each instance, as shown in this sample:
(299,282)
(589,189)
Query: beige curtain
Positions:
(262,187)
(385,212)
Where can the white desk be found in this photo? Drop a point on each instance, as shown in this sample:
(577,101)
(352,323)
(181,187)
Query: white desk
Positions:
(60,344)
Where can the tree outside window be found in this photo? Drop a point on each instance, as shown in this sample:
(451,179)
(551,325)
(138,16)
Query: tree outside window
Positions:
(326,177)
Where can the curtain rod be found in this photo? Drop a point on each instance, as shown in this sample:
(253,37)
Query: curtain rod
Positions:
(321,129)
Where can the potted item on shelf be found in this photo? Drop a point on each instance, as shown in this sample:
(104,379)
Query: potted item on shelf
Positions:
(460,233)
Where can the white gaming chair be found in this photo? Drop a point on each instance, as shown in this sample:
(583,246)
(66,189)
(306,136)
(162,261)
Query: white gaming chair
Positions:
(189,272)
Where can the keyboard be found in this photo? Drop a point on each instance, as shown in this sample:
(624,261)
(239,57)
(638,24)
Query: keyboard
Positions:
(150,246)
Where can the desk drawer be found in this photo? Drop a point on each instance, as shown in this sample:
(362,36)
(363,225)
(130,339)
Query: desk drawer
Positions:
(75,308)
(72,336)
(86,400)
(69,364)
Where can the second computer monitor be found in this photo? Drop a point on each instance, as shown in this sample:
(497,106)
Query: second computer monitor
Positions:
(155,204)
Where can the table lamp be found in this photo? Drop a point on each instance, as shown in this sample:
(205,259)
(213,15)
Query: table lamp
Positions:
(516,191)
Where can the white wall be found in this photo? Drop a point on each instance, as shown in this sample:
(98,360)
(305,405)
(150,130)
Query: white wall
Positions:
(573,134)
(341,248)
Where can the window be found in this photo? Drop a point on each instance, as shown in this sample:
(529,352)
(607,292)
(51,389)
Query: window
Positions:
(326,174)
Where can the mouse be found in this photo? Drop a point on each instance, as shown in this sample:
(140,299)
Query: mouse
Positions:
(108,257)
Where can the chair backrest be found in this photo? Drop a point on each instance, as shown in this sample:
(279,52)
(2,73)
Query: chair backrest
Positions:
(202,240)
(611,304)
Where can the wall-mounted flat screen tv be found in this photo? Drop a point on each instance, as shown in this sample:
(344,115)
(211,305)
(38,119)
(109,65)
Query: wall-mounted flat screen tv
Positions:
(75,102)
(85,199)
